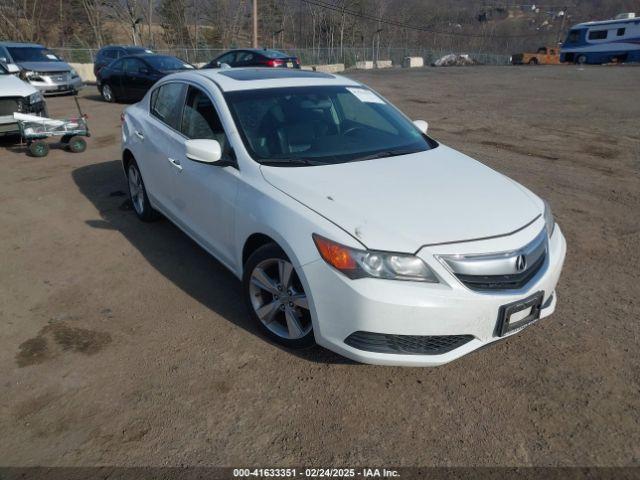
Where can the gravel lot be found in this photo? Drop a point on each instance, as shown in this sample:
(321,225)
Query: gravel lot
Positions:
(124,343)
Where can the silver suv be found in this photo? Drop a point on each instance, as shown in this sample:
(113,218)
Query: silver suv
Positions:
(40,67)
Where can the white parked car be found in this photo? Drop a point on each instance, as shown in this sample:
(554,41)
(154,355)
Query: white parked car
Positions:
(17,96)
(347,224)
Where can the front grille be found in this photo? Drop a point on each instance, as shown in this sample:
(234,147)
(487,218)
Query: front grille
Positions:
(406,344)
(8,105)
(502,282)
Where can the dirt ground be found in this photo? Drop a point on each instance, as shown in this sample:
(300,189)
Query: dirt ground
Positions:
(123,343)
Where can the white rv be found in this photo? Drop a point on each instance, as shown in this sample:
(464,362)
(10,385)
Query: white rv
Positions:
(606,41)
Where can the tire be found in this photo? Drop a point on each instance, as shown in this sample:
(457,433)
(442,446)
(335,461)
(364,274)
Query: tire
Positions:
(533,61)
(39,148)
(581,59)
(107,93)
(138,194)
(77,144)
(276,298)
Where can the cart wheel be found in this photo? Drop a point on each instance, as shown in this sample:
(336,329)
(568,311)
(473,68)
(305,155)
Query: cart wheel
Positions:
(39,148)
(77,144)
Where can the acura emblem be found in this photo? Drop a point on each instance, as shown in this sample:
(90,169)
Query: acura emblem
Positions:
(521,263)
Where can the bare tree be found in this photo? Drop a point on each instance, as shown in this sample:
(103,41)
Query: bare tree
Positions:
(127,14)
(94,12)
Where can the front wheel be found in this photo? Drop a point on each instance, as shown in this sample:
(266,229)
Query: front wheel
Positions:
(581,60)
(276,298)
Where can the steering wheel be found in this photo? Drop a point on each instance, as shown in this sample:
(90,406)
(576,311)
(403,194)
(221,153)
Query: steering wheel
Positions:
(351,130)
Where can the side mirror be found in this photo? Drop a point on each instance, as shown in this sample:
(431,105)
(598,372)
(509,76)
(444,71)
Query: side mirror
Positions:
(223,65)
(421,125)
(205,151)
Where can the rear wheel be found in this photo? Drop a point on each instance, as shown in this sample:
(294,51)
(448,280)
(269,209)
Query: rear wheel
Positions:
(581,60)
(107,93)
(138,195)
(276,298)
(77,144)
(533,61)
(39,148)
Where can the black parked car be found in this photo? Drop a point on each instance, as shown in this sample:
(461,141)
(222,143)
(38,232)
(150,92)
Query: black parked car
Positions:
(130,77)
(108,54)
(253,57)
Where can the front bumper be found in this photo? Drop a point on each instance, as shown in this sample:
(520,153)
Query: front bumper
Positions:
(8,124)
(63,83)
(341,307)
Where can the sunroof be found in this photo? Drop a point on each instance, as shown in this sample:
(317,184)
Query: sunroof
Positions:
(271,74)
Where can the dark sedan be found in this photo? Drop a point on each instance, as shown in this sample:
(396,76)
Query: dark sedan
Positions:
(253,57)
(129,78)
(108,54)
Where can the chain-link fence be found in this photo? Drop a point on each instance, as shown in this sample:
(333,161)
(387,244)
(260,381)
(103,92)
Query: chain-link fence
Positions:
(308,56)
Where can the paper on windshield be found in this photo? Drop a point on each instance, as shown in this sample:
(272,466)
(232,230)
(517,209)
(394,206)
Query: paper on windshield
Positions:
(366,96)
(51,57)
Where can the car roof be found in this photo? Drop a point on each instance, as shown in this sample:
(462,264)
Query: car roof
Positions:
(236,79)
(264,51)
(20,44)
(125,46)
(146,55)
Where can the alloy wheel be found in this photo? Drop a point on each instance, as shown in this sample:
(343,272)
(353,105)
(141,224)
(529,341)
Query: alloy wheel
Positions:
(279,300)
(136,189)
(107,93)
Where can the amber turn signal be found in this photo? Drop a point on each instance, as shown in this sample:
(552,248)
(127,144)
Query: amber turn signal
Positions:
(336,255)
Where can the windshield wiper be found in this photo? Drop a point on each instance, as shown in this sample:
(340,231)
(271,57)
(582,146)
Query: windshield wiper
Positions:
(384,154)
(291,161)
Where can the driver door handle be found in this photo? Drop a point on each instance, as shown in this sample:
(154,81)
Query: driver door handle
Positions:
(175,163)
(140,135)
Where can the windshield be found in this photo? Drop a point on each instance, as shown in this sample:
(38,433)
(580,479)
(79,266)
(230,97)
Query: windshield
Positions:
(321,125)
(32,54)
(166,64)
(573,37)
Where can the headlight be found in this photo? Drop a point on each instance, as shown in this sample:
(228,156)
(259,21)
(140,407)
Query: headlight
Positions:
(32,76)
(34,98)
(356,263)
(548,218)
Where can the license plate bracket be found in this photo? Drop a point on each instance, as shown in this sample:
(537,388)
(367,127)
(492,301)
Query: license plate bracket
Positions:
(505,323)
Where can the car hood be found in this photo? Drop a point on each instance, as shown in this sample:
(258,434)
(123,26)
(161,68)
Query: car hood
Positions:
(45,66)
(403,203)
(12,86)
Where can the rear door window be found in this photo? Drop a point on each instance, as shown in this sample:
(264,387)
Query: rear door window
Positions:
(166,104)
(621,31)
(118,66)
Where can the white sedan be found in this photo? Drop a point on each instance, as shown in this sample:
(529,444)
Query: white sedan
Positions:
(348,225)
